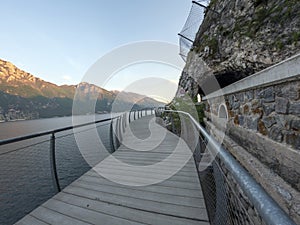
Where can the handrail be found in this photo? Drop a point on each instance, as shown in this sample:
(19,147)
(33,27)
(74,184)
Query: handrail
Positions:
(266,206)
(120,128)
(30,136)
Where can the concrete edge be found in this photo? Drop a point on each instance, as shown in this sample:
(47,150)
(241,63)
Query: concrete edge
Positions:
(286,69)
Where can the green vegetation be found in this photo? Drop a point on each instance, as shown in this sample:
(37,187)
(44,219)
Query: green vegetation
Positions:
(295,36)
(186,104)
(212,43)
(279,45)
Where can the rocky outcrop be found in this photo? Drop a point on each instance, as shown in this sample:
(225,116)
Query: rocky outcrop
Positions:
(15,81)
(240,37)
(24,96)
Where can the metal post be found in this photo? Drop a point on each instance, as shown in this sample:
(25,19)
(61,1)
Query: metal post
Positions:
(53,163)
(120,129)
(185,38)
(203,6)
(123,121)
(134,115)
(111,134)
(117,133)
(129,117)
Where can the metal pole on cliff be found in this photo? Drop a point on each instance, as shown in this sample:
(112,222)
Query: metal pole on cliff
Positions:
(199,4)
(185,37)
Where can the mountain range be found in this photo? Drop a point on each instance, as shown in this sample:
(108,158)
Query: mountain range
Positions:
(24,96)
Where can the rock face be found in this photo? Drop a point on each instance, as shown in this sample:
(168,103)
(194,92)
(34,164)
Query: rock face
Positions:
(15,81)
(240,37)
(24,96)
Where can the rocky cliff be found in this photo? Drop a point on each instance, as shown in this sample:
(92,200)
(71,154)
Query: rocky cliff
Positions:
(24,96)
(15,81)
(240,37)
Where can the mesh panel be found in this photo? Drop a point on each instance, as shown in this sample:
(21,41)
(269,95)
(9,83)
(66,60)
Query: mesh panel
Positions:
(225,200)
(25,179)
(190,28)
(25,170)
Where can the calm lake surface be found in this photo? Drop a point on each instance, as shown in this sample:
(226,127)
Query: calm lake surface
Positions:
(25,169)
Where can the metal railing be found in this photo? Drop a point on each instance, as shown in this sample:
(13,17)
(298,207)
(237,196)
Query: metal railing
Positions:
(28,157)
(232,195)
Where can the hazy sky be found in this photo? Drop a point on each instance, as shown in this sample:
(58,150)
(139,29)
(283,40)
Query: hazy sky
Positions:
(59,40)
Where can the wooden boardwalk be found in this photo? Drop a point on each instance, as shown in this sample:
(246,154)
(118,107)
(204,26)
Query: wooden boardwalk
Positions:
(149,187)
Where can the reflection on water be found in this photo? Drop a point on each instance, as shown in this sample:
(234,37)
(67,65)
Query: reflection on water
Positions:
(25,174)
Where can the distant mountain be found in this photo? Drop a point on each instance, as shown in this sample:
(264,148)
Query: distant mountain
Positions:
(15,81)
(137,99)
(24,96)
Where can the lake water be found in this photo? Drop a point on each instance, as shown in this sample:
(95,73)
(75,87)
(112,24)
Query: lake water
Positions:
(25,171)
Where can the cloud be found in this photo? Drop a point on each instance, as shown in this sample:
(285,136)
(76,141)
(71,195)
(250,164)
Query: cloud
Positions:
(67,78)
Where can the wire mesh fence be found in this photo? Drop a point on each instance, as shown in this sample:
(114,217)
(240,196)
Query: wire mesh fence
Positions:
(227,197)
(225,201)
(188,33)
(25,179)
(25,169)
(70,161)
(27,163)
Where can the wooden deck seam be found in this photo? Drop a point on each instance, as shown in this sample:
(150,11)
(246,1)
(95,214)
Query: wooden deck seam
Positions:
(101,212)
(153,175)
(135,208)
(43,206)
(72,185)
(160,184)
(39,219)
(135,189)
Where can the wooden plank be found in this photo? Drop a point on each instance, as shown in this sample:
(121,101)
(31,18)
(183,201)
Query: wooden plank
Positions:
(170,199)
(161,170)
(145,173)
(165,197)
(169,163)
(144,181)
(53,217)
(151,188)
(124,212)
(146,205)
(31,220)
(87,215)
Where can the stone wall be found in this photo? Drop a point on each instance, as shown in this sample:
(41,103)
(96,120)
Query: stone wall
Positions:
(263,123)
